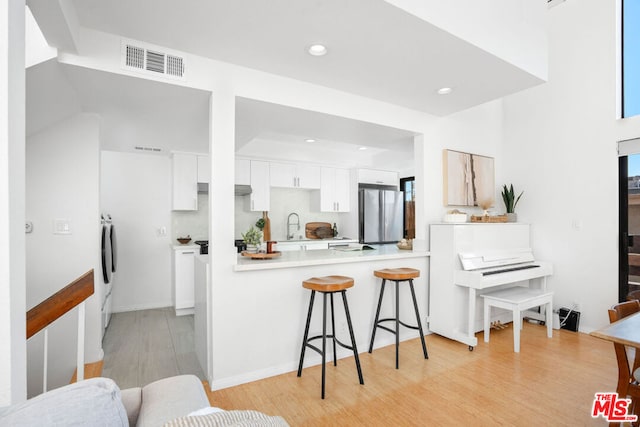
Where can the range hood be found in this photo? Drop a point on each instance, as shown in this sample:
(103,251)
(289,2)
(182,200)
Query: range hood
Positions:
(240,190)
(243,190)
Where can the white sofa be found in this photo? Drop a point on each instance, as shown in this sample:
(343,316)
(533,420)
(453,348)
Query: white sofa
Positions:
(99,402)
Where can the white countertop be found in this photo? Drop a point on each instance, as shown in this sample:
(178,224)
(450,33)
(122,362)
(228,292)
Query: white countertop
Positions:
(179,246)
(326,257)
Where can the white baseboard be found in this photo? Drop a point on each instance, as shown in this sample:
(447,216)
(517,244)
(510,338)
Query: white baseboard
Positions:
(137,307)
(311,359)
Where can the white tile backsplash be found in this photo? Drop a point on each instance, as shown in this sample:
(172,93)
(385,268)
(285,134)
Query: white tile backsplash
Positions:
(192,223)
(283,202)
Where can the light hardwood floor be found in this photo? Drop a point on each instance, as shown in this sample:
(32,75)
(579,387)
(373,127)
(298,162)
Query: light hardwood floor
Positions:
(551,382)
(144,346)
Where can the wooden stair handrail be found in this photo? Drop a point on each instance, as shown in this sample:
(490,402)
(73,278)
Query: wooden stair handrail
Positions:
(58,304)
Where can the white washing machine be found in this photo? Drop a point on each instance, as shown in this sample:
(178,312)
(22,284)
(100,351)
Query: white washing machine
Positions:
(109,258)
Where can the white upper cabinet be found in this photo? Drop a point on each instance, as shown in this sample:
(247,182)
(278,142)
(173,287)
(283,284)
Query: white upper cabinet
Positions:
(379,177)
(334,190)
(260,188)
(243,172)
(290,175)
(185,182)
(204,169)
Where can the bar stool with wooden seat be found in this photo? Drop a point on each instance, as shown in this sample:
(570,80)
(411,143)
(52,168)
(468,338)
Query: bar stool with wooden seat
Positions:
(328,286)
(397,275)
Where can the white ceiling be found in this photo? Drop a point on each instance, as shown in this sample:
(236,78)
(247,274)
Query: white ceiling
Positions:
(376,50)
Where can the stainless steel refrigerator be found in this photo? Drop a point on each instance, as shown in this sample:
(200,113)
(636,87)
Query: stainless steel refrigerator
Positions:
(381,213)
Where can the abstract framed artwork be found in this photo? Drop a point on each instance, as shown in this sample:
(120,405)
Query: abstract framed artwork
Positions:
(469,179)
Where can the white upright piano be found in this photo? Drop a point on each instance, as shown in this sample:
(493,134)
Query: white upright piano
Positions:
(469,259)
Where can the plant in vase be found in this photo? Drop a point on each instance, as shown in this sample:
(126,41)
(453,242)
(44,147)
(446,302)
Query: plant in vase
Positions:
(510,201)
(252,239)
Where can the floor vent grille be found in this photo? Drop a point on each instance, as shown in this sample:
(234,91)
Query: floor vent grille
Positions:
(152,60)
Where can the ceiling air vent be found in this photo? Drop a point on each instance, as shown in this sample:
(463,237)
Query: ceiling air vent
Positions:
(151,60)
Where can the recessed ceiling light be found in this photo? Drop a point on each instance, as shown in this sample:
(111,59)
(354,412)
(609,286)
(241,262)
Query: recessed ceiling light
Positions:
(444,91)
(317,50)
(362,148)
(309,140)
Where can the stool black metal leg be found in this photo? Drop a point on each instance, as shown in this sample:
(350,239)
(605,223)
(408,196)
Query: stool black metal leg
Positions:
(415,306)
(333,332)
(375,322)
(306,333)
(324,338)
(397,323)
(353,338)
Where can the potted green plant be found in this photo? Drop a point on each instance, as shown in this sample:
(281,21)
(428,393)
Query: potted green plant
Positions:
(510,201)
(252,239)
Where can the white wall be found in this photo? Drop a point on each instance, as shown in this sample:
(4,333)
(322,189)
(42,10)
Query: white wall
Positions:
(135,189)
(513,30)
(62,182)
(12,260)
(478,131)
(560,148)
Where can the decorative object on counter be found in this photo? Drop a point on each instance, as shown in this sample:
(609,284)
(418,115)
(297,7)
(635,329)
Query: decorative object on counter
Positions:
(270,244)
(335,230)
(510,201)
(468,178)
(252,239)
(184,240)
(455,216)
(261,255)
(405,244)
(489,218)
(485,204)
(318,230)
(266,230)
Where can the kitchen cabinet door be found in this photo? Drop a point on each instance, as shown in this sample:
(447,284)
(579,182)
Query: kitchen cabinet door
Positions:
(282,175)
(309,177)
(260,186)
(342,190)
(184,280)
(378,177)
(204,169)
(334,190)
(290,175)
(243,172)
(327,190)
(185,182)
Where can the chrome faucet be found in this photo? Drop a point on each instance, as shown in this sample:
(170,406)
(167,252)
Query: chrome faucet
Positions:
(289,224)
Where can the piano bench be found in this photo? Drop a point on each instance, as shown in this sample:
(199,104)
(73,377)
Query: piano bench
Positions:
(517,300)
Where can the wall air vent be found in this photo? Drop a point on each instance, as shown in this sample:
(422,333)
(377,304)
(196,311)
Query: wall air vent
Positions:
(151,60)
(147,149)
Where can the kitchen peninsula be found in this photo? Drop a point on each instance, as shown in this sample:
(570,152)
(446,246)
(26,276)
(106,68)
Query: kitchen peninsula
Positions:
(328,256)
(263,308)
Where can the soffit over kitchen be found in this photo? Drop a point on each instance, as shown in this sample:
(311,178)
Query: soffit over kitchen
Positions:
(384,50)
(137,112)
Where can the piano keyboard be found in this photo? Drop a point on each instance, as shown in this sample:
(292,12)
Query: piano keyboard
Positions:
(504,270)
